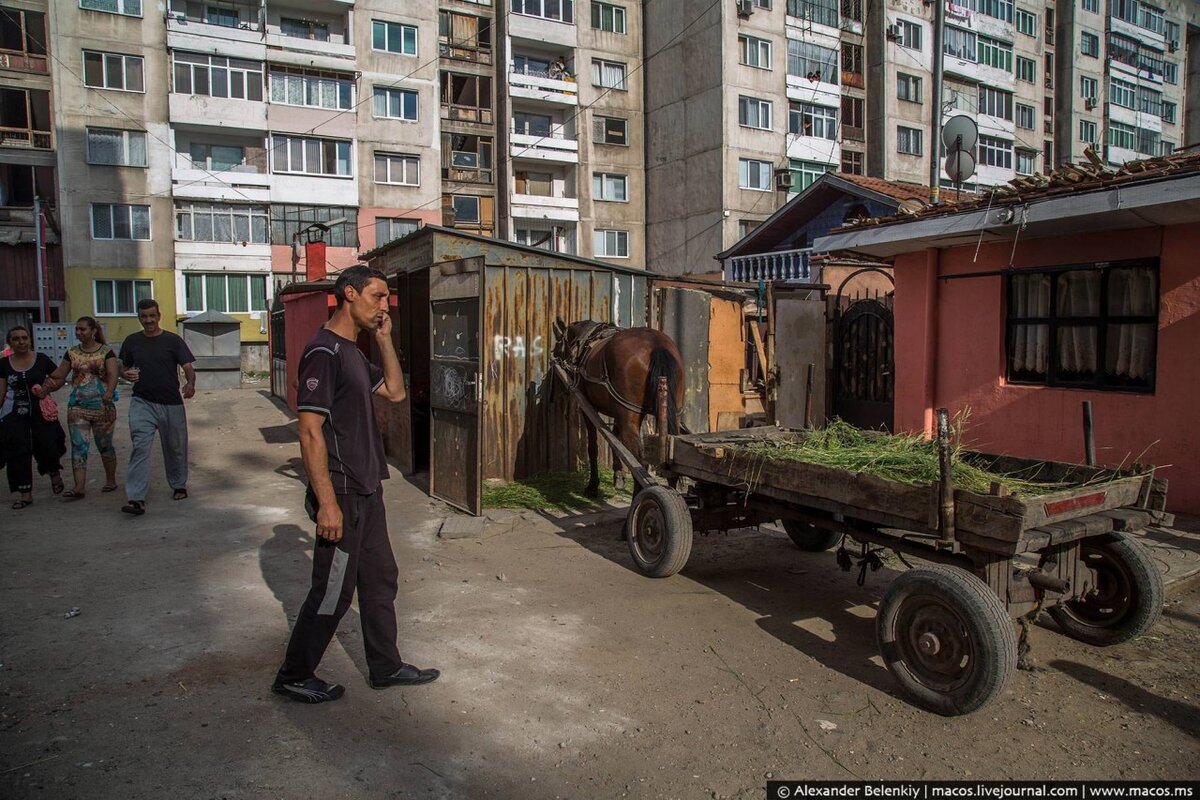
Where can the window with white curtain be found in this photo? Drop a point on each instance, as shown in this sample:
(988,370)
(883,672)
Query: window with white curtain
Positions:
(610,186)
(611,244)
(220,222)
(115,147)
(308,156)
(754,174)
(294,86)
(608,74)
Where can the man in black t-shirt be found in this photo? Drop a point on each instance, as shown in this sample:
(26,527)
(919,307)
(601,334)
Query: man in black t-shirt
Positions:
(343,456)
(152,358)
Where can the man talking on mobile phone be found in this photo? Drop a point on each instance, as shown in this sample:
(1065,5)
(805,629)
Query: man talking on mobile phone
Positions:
(343,456)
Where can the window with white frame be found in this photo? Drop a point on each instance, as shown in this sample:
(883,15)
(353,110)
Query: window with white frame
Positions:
(995,53)
(120,221)
(118,148)
(1089,88)
(995,102)
(806,173)
(821,12)
(393,37)
(610,130)
(130,8)
(113,71)
(294,86)
(754,113)
(1026,22)
(220,222)
(217,76)
(1169,111)
(388,229)
(1121,93)
(1026,162)
(1089,44)
(959,43)
(753,174)
(557,10)
(808,119)
(995,152)
(1092,6)
(908,140)
(1121,135)
(1165,147)
(754,52)
(997,9)
(1171,32)
(1087,131)
(311,29)
(119,298)
(608,74)
(1026,116)
(610,186)
(910,34)
(227,292)
(812,62)
(217,157)
(908,87)
(1026,69)
(397,168)
(608,17)
(610,243)
(287,220)
(309,156)
(392,103)
(1171,72)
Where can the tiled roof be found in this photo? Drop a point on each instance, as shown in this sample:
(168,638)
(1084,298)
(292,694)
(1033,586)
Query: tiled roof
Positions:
(897,189)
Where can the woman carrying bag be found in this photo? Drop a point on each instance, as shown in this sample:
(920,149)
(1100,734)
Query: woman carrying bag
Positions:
(91,410)
(29,426)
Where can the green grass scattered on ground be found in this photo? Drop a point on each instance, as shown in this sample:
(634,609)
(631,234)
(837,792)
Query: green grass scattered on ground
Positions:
(559,491)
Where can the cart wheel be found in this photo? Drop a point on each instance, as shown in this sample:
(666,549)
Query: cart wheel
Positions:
(1127,598)
(659,531)
(809,537)
(947,638)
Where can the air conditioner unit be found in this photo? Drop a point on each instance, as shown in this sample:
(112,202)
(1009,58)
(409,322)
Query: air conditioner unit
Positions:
(745,8)
(784,180)
(893,33)
(1172,47)
(1090,103)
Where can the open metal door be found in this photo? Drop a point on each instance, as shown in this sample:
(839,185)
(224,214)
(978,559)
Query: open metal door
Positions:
(800,358)
(455,384)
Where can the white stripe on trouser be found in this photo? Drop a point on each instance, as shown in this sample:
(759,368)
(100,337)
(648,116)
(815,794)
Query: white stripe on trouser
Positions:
(333,587)
(170,423)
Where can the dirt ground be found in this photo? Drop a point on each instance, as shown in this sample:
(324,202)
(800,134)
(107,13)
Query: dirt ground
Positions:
(565,673)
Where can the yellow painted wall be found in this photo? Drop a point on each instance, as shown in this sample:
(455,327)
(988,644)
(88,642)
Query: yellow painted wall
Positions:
(80,298)
(252,330)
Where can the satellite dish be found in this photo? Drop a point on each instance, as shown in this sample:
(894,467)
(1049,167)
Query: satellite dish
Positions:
(960,126)
(960,165)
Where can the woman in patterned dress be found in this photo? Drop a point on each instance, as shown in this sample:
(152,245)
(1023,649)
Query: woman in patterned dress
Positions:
(91,410)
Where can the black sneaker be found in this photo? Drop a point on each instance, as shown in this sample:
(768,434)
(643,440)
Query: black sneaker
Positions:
(310,690)
(407,675)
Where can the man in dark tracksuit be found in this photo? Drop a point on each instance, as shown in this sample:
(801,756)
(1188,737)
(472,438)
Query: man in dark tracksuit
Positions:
(343,455)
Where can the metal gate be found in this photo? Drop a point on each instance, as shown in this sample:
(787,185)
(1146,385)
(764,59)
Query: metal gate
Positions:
(864,375)
(278,351)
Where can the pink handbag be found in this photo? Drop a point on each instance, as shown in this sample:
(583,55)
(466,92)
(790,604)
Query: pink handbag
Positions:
(49,408)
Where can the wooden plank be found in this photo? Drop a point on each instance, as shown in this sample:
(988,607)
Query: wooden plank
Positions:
(1128,519)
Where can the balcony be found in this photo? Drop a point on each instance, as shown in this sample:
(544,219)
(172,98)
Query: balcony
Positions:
(25,138)
(545,207)
(854,79)
(785,265)
(477,54)
(25,62)
(221,112)
(534,84)
(854,133)
(551,146)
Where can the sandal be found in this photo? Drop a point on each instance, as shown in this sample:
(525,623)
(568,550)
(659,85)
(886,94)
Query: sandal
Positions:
(19,504)
(56,485)
(135,507)
(180,494)
(71,494)
(108,487)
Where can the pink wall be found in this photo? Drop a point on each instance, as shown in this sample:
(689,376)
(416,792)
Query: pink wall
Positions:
(950,352)
(303,315)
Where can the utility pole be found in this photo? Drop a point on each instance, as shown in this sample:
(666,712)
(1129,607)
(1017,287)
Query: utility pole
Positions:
(40,235)
(935,172)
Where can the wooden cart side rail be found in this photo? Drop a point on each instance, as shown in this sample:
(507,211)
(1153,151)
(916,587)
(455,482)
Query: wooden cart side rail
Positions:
(1006,518)
(1049,471)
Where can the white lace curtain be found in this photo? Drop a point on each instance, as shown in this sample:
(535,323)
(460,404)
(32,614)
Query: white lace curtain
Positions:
(1031,343)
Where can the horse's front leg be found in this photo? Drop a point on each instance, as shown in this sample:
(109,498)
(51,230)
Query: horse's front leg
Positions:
(593,486)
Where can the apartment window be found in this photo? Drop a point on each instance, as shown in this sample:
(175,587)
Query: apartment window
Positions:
(388,229)
(1171,32)
(217,76)
(812,62)
(130,8)
(959,43)
(466,157)
(557,10)
(392,37)
(294,86)
(608,17)
(608,74)
(120,221)
(1087,131)
(1093,326)
(822,12)
(754,174)
(309,29)
(1120,135)
(528,124)
(1048,155)
(221,15)
(220,222)
(555,238)
(466,97)
(611,244)
(308,156)
(1170,72)
(1026,162)
(1089,87)
(1026,69)
(1168,112)
(852,10)
(113,71)
(1092,6)
(852,162)
(1148,142)
(998,9)
(996,54)
(217,157)
(853,109)
(910,34)
(118,148)
(1026,22)
(754,113)
(395,104)
(755,52)
(610,130)
(806,119)
(1121,93)
(1150,18)
(120,298)
(466,208)
(1026,116)
(230,293)
(908,140)
(805,173)
(540,184)
(1089,44)
(288,220)
(463,35)
(908,87)
(995,102)
(397,168)
(995,152)
(1165,148)
(610,186)
(852,64)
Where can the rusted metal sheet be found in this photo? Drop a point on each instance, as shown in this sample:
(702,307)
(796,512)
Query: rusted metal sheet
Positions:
(684,315)
(456,383)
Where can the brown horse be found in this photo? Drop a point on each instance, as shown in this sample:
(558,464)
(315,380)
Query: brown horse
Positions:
(617,370)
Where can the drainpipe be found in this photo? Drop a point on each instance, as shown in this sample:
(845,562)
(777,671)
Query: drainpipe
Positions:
(41,259)
(939,19)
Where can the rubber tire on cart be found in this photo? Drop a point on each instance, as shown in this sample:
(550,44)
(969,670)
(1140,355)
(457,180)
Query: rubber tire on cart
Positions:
(1128,597)
(809,537)
(946,638)
(659,532)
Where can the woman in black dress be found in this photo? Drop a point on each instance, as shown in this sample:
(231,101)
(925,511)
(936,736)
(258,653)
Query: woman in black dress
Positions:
(26,435)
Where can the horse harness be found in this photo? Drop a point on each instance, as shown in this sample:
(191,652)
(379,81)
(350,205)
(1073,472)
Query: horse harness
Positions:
(593,335)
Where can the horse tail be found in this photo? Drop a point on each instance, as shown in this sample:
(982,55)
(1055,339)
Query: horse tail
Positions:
(661,366)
